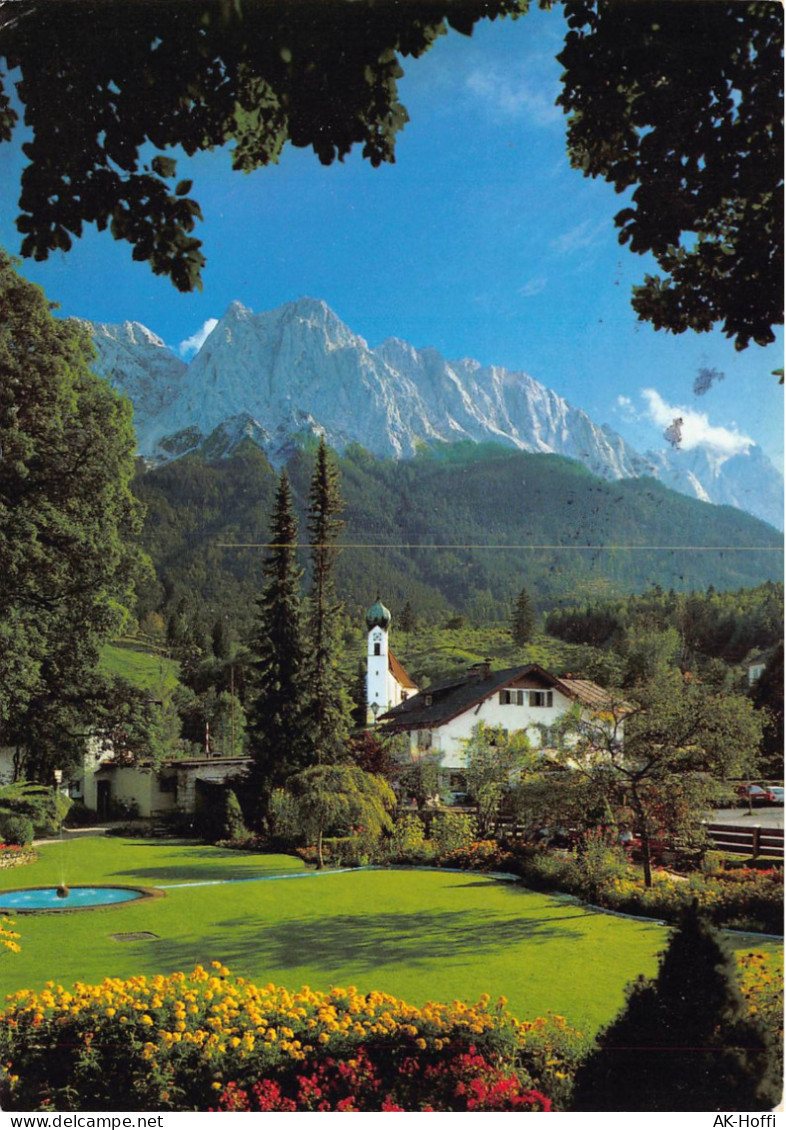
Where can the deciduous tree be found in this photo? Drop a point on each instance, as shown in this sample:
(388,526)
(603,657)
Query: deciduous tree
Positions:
(494,761)
(340,797)
(657,759)
(682,103)
(67,523)
(100,81)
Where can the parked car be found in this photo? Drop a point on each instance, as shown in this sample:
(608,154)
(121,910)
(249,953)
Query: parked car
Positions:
(757,794)
(777,793)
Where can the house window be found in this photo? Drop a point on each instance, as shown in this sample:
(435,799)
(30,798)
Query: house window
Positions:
(404,696)
(541,698)
(512,698)
(167,784)
(425,739)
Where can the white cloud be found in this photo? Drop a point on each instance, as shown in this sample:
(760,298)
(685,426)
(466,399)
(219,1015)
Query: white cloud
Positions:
(695,428)
(625,409)
(531,288)
(514,96)
(579,237)
(194,343)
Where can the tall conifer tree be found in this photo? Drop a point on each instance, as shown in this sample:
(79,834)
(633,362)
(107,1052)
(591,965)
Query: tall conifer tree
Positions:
(330,707)
(523,621)
(275,727)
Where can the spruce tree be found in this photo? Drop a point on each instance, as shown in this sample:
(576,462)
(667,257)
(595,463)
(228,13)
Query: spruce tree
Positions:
(408,620)
(685,1040)
(523,621)
(329,704)
(275,722)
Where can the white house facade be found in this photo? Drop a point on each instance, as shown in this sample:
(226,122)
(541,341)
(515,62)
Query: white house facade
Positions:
(440,719)
(158,791)
(756,666)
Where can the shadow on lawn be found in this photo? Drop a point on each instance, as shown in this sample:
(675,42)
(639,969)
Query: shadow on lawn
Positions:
(221,865)
(364,941)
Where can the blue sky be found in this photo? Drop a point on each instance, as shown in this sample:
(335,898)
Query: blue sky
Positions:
(480,241)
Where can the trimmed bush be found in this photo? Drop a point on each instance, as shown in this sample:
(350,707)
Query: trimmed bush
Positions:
(16,829)
(685,1041)
(234,824)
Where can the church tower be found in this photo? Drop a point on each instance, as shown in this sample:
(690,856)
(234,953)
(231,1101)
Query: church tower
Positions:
(377,690)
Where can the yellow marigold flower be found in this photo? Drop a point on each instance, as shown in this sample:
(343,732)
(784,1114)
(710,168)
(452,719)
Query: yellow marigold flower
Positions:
(323,1038)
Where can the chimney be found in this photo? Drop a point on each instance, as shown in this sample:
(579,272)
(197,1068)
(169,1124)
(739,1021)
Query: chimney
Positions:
(480,671)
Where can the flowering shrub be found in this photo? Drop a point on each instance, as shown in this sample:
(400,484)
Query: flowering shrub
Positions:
(174,1043)
(745,898)
(357,850)
(480,855)
(463,1080)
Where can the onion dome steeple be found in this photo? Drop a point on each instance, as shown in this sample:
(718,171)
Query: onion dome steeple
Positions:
(378,616)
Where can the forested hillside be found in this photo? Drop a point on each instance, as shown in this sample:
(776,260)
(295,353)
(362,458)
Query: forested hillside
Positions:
(717,625)
(459,531)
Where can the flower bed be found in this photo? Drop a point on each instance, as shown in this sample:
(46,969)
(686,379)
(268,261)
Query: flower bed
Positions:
(372,1079)
(743,898)
(179,1042)
(14,855)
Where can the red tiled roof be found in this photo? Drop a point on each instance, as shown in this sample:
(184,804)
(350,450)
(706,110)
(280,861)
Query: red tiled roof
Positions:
(399,674)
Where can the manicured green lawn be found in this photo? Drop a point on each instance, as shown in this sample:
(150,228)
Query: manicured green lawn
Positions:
(418,935)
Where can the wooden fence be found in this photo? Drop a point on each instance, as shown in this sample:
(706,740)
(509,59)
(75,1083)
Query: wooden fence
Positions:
(752,839)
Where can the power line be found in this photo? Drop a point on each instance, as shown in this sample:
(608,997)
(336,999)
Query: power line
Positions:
(466,545)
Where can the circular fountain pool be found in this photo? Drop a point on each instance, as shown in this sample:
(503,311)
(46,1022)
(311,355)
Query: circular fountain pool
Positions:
(47,900)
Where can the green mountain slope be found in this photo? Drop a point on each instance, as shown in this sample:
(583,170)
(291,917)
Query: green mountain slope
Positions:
(459,530)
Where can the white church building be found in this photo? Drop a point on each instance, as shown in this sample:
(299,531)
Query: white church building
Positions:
(387,683)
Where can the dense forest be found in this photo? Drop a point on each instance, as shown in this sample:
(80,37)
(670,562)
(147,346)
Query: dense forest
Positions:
(712,624)
(454,532)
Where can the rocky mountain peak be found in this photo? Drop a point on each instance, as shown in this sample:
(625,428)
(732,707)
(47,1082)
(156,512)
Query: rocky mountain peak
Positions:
(286,374)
